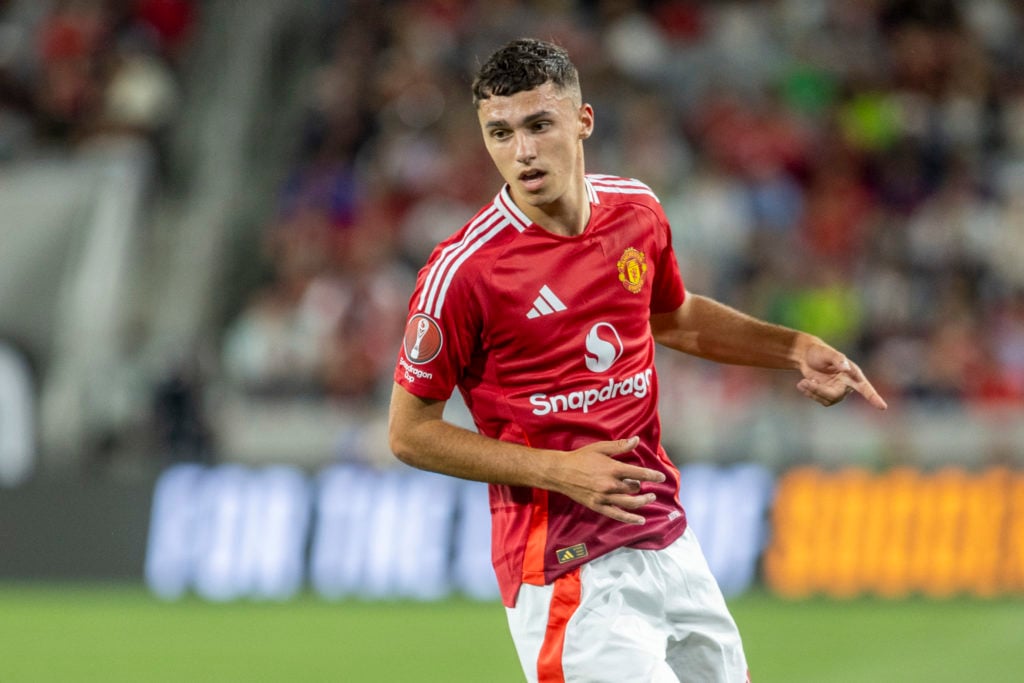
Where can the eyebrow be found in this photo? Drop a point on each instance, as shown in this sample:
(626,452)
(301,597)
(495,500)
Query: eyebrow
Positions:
(527,120)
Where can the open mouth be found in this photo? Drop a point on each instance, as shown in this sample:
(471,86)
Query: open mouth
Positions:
(531,179)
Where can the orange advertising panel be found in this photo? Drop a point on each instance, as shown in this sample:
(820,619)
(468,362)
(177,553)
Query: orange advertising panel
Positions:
(851,532)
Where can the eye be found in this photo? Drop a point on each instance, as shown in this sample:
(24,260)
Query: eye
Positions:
(541,126)
(500,134)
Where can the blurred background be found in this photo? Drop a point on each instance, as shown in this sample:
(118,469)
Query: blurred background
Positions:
(212,213)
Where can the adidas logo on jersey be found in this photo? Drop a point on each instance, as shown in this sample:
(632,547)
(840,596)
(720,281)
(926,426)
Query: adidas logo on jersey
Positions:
(545,304)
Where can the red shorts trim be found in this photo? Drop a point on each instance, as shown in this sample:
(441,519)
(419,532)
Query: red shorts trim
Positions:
(564,602)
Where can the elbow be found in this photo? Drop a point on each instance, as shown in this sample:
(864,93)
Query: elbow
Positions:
(410,429)
(396,444)
(400,446)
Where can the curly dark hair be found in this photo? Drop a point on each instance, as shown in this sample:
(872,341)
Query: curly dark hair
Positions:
(524,64)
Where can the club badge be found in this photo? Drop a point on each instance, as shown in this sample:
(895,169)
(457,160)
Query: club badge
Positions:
(632,269)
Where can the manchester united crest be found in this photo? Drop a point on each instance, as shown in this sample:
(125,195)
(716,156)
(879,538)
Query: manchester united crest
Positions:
(632,269)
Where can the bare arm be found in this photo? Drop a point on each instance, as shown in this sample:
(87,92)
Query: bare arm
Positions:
(709,329)
(420,437)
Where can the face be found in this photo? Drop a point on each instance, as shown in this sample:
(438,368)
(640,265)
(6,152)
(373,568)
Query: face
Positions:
(535,139)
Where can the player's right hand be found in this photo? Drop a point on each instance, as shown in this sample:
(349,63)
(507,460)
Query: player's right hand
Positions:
(595,479)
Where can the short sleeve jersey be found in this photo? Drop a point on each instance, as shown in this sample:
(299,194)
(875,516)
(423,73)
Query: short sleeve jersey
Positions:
(548,339)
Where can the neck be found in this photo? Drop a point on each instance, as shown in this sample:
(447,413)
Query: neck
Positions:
(565,217)
(569,214)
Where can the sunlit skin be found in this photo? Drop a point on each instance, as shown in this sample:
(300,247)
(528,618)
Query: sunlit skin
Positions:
(535,139)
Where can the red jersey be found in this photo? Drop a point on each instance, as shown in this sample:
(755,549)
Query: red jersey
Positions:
(548,339)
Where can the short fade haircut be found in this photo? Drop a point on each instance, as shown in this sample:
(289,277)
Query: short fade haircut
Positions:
(522,65)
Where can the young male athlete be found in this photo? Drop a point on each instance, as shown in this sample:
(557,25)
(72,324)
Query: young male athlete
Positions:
(544,311)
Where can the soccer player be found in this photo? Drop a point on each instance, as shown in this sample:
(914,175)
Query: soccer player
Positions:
(544,310)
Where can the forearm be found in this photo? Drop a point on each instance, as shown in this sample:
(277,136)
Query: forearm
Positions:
(442,447)
(429,442)
(711,330)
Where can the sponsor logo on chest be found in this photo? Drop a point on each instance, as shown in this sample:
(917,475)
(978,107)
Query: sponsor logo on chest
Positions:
(603,347)
(582,400)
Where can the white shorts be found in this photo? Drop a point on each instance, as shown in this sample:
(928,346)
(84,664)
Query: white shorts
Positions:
(631,615)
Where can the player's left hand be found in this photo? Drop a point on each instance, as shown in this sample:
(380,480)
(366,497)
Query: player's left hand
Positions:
(829,377)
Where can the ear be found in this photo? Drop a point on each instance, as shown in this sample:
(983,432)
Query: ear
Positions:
(586,121)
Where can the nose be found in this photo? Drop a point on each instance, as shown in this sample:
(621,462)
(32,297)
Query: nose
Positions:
(526,150)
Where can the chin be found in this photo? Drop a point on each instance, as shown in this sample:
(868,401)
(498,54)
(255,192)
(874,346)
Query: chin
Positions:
(538,198)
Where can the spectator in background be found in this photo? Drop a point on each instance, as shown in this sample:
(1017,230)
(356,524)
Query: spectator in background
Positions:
(276,344)
(322,326)
(78,68)
(336,294)
(69,89)
(140,94)
(369,290)
(170,23)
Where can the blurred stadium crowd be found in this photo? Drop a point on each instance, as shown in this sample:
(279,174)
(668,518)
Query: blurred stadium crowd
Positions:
(851,168)
(72,69)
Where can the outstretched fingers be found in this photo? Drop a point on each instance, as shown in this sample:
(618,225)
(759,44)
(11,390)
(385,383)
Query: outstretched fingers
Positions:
(865,389)
(838,381)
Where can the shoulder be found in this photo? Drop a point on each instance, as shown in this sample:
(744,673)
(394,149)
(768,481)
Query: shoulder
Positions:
(610,189)
(616,195)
